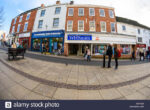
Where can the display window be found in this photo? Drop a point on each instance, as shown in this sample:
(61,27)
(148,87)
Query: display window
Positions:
(98,49)
(36,44)
(125,49)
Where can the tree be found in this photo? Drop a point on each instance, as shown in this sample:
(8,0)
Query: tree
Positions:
(1,16)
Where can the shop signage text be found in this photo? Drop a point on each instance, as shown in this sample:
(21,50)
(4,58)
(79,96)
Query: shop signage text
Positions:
(79,37)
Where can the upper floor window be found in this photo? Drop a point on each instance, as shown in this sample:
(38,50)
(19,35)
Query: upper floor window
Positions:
(81,25)
(81,12)
(15,20)
(149,41)
(20,20)
(56,22)
(28,16)
(18,29)
(102,12)
(69,25)
(70,12)
(139,39)
(91,12)
(139,31)
(124,28)
(111,13)
(25,26)
(57,10)
(42,13)
(13,29)
(103,26)
(40,24)
(92,25)
(113,27)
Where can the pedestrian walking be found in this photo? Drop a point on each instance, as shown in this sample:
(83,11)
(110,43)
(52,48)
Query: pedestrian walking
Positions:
(109,53)
(88,55)
(141,54)
(133,55)
(85,53)
(116,56)
(104,56)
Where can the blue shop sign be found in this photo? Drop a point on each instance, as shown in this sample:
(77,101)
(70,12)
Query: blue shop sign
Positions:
(46,34)
(79,37)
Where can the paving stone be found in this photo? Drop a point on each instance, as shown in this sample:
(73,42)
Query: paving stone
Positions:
(66,94)
(45,90)
(136,96)
(145,91)
(6,95)
(110,94)
(137,86)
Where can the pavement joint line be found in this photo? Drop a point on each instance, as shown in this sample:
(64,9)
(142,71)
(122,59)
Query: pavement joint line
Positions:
(71,86)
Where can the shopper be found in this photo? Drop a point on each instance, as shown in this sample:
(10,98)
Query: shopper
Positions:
(109,53)
(104,57)
(85,53)
(116,56)
(88,55)
(133,55)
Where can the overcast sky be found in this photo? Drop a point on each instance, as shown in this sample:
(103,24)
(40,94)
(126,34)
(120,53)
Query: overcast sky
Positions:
(138,10)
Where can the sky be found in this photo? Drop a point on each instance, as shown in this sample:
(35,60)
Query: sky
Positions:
(138,10)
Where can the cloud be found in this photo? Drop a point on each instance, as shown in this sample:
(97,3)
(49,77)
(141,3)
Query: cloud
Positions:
(20,11)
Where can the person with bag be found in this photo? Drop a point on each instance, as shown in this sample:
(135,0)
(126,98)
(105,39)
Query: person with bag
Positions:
(109,53)
(117,54)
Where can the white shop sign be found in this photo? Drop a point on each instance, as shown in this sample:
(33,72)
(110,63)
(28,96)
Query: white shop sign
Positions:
(24,35)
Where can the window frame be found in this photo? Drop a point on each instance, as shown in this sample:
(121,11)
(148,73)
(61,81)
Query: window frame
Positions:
(79,11)
(114,27)
(13,29)
(68,25)
(15,20)
(69,12)
(25,26)
(139,31)
(54,22)
(39,24)
(112,13)
(90,26)
(57,10)
(41,14)
(20,19)
(100,13)
(18,29)
(123,28)
(90,11)
(105,26)
(140,39)
(78,25)
(28,15)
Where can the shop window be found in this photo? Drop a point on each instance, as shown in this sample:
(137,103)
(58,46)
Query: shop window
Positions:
(57,44)
(70,12)
(36,44)
(80,25)
(125,49)
(57,10)
(20,20)
(25,27)
(98,49)
(124,28)
(40,24)
(28,16)
(69,25)
(92,25)
(56,22)
(139,39)
(103,26)
(81,12)
(113,27)
(18,29)
(102,12)
(91,12)
(42,13)
(111,13)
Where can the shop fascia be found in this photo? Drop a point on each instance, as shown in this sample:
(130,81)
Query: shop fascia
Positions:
(99,38)
(24,35)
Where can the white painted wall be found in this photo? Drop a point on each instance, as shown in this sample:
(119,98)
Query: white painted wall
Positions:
(48,18)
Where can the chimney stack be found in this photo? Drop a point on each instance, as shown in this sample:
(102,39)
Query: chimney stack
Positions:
(71,2)
(58,2)
(42,5)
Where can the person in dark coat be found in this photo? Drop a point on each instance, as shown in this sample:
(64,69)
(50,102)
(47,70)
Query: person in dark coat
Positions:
(109,53)
(104,56)
(133,55)
(116,57)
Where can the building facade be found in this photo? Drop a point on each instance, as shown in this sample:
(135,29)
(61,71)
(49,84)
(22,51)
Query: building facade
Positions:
(22,26)
(49,28)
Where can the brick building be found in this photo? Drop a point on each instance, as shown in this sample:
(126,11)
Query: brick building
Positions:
(21,27)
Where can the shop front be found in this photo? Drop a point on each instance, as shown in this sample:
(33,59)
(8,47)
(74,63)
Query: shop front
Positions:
(77,43)
(53,41)
(25,39)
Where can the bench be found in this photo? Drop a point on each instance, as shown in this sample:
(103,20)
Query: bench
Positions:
(14,52)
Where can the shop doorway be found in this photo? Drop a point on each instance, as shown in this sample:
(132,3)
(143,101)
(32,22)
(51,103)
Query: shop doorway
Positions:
(84,47)
(45,44)
(73,49)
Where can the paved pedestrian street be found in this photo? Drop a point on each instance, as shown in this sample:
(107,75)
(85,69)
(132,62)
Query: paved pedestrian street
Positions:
(38,79)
